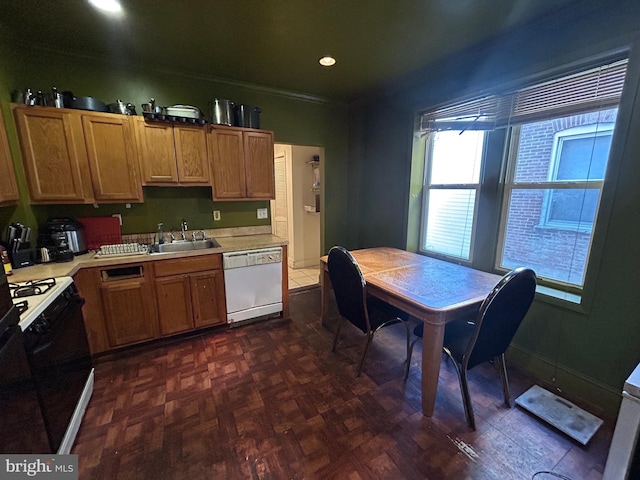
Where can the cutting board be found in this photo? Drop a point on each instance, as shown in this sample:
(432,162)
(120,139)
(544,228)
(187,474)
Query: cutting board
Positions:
(100,231)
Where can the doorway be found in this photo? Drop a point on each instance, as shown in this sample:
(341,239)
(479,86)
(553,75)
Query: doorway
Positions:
(295,212)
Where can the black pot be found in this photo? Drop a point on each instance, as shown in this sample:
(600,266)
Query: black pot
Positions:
(67,98)
(247,116)
(88,103)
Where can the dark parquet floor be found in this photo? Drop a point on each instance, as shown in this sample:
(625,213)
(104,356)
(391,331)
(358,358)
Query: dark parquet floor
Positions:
(270,401)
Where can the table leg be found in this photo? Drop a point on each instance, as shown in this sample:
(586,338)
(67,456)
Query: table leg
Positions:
(431,357)
(325,293)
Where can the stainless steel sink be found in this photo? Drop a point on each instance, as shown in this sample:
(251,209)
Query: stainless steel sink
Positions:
(184,246)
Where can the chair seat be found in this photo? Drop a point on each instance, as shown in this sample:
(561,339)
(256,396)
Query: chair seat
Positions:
(380,312)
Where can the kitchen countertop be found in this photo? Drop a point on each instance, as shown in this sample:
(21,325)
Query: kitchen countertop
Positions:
(89,260)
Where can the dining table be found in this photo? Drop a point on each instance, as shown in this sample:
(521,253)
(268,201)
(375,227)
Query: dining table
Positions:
(432,290)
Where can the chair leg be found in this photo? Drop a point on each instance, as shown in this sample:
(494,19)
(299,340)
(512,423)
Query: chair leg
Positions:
(364,353)
(464,389)
(409,355)
(502,366)
(337,334)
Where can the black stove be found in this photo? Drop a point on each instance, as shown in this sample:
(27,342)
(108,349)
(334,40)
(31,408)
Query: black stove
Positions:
(32,287)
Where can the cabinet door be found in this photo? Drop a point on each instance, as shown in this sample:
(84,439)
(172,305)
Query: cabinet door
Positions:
(174,304)
(87,280)
(191,154)
(8,187)
(258,164)
(129,312)
(227,163)
(112,157)
(157,153)
(54,155)
(207,297)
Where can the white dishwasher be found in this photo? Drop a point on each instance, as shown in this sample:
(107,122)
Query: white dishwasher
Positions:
(253,283)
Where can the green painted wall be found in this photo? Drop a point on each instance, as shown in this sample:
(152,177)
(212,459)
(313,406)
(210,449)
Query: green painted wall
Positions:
(585,352)
(294,118)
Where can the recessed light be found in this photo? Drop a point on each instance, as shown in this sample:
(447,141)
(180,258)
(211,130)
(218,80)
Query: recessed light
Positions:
(110,6)
(327,61)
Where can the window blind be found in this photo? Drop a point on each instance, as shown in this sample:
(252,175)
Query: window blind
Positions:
(591,89)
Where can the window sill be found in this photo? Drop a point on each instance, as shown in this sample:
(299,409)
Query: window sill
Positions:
(563,228)
(561,298)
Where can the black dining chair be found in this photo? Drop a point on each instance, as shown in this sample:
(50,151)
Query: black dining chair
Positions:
(472,342)
(367,313)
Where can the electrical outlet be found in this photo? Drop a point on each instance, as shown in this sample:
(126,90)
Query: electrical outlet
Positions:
(216,215)
(262,213)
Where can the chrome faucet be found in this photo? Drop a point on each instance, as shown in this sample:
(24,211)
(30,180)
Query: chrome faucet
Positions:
(183,229)
(160,234)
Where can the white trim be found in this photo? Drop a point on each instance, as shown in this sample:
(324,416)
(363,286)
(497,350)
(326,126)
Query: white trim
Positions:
(74,425)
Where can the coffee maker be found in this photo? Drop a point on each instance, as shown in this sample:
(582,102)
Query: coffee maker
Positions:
(63,238)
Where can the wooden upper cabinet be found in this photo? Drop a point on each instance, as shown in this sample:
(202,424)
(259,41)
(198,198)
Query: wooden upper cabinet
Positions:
(227,163)
(173,154)
(258,162)
(8,187)
(157,153)
(54,155)
(112,154)
(191,154)
(241,163)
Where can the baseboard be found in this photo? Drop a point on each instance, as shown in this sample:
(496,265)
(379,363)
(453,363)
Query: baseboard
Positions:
(305,263)
(599,399)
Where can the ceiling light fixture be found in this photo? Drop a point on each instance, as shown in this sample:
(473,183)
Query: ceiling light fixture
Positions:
(327,61)
(110,6)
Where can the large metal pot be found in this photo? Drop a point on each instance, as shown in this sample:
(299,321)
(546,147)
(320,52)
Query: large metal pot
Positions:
(222,112)
(247,116)
(88,103)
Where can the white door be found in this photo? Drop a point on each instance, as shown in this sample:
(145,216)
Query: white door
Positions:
(279,206)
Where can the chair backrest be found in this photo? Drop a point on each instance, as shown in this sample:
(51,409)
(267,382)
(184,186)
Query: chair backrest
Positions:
(349,287)
(500,316)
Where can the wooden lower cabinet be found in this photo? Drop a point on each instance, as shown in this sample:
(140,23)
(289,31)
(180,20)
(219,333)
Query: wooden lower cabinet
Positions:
(208,299)
(120,307)
(173,296)
(133,303)
(190,293)
(129,313)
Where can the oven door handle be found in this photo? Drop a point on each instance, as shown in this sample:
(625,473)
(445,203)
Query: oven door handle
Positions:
(75,303)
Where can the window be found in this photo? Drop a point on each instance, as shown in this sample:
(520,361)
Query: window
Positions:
(520,175)
(579,154)
(453,162)
(552,193)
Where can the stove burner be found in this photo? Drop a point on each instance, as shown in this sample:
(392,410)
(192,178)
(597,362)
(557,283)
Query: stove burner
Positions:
(22,306)
(32,287)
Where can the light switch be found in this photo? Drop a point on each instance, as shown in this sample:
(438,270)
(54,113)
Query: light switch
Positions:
(216,215)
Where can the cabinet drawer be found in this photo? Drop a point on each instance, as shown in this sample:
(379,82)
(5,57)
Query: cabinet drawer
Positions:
(188,265)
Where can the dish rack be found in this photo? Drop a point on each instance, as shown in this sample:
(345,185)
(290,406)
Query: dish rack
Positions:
(120,249)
